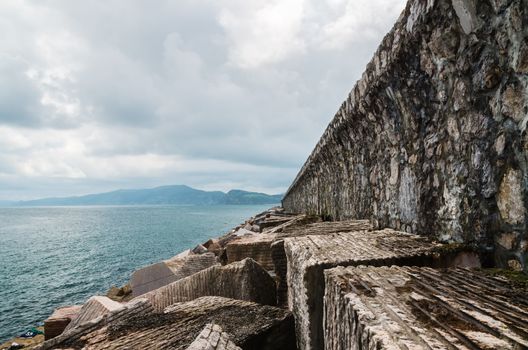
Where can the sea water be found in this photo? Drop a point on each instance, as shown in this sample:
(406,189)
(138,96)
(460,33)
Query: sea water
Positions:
(54,256)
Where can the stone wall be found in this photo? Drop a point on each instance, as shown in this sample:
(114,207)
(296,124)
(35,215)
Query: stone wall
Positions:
(432,139)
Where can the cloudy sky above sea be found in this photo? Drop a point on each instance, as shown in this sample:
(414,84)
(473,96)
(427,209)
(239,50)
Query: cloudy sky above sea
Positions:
(101,95)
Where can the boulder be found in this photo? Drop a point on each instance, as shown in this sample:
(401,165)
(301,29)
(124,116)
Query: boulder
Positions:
(243,280)
(120,294)
(139,326)
(213,245)
(59,320)
(243,232)
(422,308)
(199,249)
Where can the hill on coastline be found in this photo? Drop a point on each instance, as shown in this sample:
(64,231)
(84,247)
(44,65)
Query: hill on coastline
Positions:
(177,194)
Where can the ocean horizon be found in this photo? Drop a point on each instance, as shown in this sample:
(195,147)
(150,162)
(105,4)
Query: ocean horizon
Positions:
(54,256)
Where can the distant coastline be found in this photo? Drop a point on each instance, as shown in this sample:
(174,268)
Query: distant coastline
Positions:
(164,195)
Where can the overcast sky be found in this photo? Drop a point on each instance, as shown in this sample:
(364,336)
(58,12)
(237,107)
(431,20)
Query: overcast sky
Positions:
(101,95)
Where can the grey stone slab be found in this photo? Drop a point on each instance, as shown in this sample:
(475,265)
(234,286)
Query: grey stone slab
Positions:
(243,280)
(162,273)
(256,247)
(309,256)
(95,307)
(422,308)
(138,326)
(59,320)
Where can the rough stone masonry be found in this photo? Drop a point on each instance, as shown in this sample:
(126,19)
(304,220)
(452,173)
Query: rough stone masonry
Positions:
(433,136)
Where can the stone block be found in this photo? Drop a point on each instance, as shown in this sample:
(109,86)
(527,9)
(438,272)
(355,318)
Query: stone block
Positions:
(59,320)
(151,277)
(422,308)
(243,280)
(278,256)
(325,228)
(213,338)
(256,247)
(297,229)
(138,326)
(309,256)
(162,273)
(95,307)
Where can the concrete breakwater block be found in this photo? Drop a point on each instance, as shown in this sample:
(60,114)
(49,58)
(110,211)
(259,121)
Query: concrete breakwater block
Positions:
(281,269)
(326,227)
(296,229)
(95,307)
(138,326)
(59,320)
(162,273)
(422,308)
(243,280)
(309,256)
(256,247)
(213,338)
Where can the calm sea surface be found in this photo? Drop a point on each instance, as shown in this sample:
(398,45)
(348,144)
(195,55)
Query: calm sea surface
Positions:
(57,256)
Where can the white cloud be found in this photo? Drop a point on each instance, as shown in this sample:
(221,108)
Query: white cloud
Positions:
(360,21)
(263,32)
(217,95)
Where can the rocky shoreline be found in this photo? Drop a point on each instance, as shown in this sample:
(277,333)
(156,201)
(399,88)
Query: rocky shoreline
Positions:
(287,281)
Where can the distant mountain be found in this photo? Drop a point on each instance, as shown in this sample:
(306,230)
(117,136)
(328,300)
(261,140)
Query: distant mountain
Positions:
(178,194)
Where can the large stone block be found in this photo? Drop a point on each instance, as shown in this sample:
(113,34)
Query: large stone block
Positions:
(281,270)
(95,307)
(243,280)
(162,273)
(59,320)
(297,229)
(138,326)
(325,228)
(422,308)
(309,256)
(256,247)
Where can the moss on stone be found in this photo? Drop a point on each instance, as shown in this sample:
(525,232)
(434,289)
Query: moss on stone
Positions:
(453,248)
(518,278)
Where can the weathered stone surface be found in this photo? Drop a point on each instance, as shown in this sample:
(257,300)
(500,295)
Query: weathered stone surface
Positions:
(162,273)
(256,247)
(297,228)
(151,277)
(324,228)
(138,326)
(294,221)
(280,264)
(95,307)
(422,308)
(243,280)
(425,138)
(213,338)
(510,200)
(59,320)
(309,256)
(120,294)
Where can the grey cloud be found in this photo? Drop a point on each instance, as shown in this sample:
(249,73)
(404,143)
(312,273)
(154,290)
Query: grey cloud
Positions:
(18,96)
(159,78)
